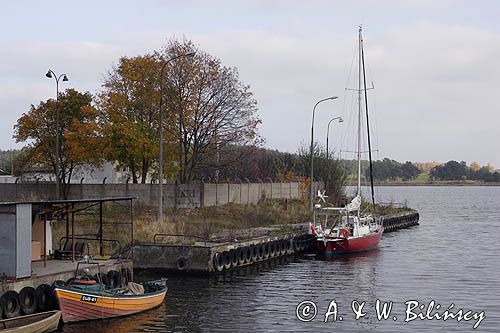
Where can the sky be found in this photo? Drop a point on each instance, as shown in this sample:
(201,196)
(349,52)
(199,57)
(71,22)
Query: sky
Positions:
(433,63)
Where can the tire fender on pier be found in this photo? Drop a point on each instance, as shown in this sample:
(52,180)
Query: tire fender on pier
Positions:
(233,257)
(226,260)
(267,250)
(44,297)
(218,263)
(241,256)
(11,304)
(254,253)
(248,255)
(260,251)
(27,298)
(181,264)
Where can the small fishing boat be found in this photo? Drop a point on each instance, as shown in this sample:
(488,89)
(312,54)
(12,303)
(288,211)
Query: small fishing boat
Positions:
(347,230)
(87,298)
(36,323)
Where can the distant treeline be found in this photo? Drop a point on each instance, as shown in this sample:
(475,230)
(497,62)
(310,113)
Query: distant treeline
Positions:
(388,169)
(454,170)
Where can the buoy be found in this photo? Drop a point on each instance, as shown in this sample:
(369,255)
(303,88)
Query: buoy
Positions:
(44,297)
(11,304)
(344,232)
(181,264)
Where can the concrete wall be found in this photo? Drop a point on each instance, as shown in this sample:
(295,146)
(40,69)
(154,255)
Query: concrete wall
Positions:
(174,195)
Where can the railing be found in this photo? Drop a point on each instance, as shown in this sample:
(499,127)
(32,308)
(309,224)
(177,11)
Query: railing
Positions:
(91,239)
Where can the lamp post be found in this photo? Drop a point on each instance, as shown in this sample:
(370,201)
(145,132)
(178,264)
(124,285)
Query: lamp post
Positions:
(312,148)
(50,74)
(160,125)
(328,133)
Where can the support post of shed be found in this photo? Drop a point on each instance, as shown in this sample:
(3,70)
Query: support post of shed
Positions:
(132,226)
(100,229)
(72,236)
(44,240)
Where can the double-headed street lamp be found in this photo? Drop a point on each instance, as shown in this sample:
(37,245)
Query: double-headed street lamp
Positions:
(50,74)
(312,149)
(328,133)
(160,125)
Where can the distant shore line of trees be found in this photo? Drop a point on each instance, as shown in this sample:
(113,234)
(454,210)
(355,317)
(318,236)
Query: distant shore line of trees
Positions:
(391,170)
(252,163)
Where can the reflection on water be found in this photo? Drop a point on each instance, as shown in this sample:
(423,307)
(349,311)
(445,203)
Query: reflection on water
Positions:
(450,258)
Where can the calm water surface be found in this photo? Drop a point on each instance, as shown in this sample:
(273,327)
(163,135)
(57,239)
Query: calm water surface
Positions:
(452,257)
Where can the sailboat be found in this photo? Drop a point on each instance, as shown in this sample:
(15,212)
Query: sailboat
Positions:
(346,230)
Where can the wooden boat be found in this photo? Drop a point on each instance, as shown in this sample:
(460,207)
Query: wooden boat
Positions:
(87,299)
(347,230)
(36,323)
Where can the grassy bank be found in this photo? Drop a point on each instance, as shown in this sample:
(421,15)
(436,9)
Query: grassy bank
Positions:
(208,222)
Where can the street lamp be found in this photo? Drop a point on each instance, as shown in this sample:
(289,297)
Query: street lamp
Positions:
(328,133)
(160,125)
(50,74)
(312,148)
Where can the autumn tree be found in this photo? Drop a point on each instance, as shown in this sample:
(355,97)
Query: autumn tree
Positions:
(128,104)
(208,107)
(80,141)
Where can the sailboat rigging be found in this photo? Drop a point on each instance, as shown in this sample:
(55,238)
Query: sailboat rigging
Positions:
(350,230)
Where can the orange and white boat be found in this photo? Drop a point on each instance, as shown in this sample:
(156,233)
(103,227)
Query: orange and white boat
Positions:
(88,299)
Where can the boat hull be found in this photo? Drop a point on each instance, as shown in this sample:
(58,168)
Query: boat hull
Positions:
(36,323)
(351,245)
(79,306)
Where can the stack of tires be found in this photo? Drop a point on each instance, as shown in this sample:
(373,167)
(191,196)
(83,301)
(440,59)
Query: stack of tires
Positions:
(28,301)
(246,255)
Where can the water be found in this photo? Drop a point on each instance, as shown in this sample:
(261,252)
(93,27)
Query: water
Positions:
(452,257)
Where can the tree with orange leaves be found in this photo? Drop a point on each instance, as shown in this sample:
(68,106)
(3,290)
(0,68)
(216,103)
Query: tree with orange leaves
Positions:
(80,139)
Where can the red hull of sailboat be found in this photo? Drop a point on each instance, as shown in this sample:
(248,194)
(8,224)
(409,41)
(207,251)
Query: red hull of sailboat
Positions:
(352,245)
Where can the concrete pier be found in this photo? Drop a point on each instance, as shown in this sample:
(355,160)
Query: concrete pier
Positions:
(59,270)
(217,257)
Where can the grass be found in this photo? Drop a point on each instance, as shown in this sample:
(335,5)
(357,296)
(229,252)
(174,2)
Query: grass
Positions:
(207,222)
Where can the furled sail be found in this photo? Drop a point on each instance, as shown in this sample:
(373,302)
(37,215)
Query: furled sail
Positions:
(354,204)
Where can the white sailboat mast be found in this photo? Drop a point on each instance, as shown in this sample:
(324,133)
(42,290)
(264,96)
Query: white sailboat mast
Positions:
(359,114)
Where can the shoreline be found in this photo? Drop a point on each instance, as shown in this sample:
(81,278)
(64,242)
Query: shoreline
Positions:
(428,184)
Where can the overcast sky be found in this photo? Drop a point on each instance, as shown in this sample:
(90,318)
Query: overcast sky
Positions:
(434,63)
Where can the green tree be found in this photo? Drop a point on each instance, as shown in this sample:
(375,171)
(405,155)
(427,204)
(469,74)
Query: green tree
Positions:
(329,171)
(128,104)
